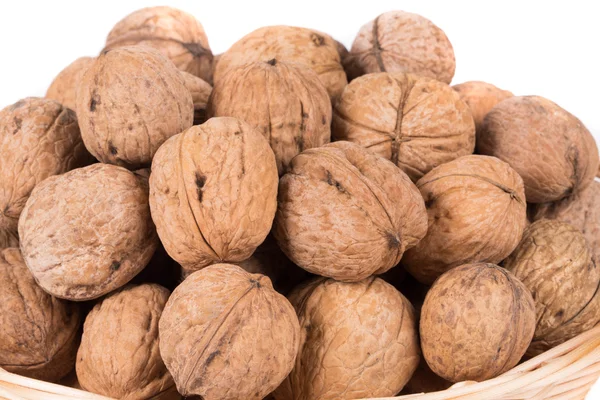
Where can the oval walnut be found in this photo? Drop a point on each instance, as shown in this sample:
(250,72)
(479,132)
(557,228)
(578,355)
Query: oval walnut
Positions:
(64,87)
(481,97)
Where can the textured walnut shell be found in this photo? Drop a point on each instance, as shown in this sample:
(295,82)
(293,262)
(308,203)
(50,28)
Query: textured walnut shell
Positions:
(176,34)
(417,123)
(200,91)
(285,102)
(129,102)
(64,87)
(481,97)
(357,340)
(119,355)
(477,322)
(398,41)
(477,213)
(313,49)
(213,193)
(87,232)
(226,334)
(566,156)
(39,334)
(38,138)
(346,213)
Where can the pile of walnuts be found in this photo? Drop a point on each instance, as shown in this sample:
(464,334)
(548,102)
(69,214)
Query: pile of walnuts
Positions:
(289,220)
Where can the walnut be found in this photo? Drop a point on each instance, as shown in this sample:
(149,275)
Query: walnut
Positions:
(477,213)
(129,102)
(226,334)
(285,102)
(417,123)
(200,91)
(87,232)
(39,334)
(477,322)
(566,156)
(481,97)
(64,87)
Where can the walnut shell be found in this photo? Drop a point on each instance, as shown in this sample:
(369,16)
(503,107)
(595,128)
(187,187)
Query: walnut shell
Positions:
(311,48)
(213,193)
(87,232)
(285,102)
(566,154)
(398,41)
(417,123)
(481,97)
(358,340)
(39,334)
(346,213)
(477,213)
(226,334)
(38,138)
(64,87)
(129,102)
(176,34)
(476,323)
(200,91)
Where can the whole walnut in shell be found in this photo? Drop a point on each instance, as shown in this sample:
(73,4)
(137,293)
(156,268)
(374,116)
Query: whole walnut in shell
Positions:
(481,97)
(477,213)
(131,100)
(64,87)
(417,123)
(285,102)
(358,340)
(200,91)
(39,334)
(566,156)
(119,355)
(398,41)
(477,322)
(87,232)
(226,334)
(213,193)
(346,213)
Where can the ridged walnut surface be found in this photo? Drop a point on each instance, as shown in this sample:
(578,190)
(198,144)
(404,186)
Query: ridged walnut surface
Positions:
(64,87)
(481,97)
(200,91)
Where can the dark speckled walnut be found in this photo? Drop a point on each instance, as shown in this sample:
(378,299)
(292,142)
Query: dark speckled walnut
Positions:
(200,91)
(64,87)
(481,97)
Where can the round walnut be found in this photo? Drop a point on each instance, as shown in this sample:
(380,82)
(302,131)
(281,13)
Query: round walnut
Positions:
(398,41)
(417,123)
(120,334)
(38,333)
(213,193)
(38,138)
(64,87)
(226,334)
(176,34)
(481,97)
(200,91)
(476,323)
(285,102)
(566,156)
(555,263)
(87,232)
(358,340)
(477,213)
(129,102)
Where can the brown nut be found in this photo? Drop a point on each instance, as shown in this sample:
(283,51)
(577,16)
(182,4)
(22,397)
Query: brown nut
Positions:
(285,102)
(129,102)
(200,91)
(477,322)
(226,334)
(398,41)
(87,232)
(358,340)
(566,156)
(39,334)
(481,97)
(64,87)
(477,213)
(417,123)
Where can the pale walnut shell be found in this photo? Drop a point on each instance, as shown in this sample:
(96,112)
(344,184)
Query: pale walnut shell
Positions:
(346,213)
(176,34)
(398,41)
(87,232)
(64,87)
(129,102)
(213,193)
(417,123)
(481,97)
(285,102)
(39,334)
(226,334)
(477,213)
(358,340)
(200,91)
(566,156)
(38,138)
(291,44)
(477,322)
